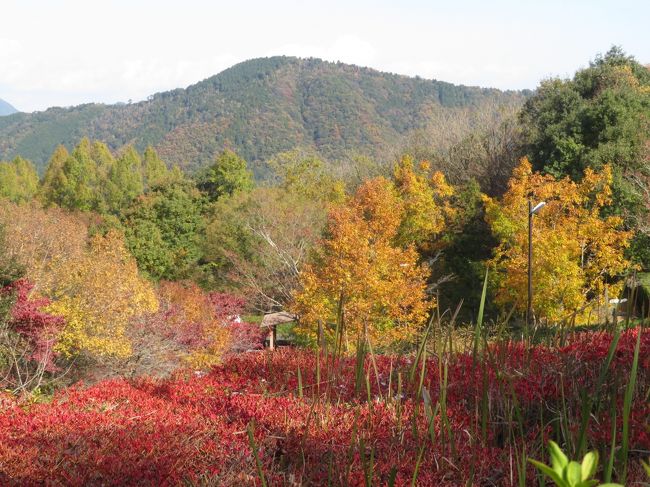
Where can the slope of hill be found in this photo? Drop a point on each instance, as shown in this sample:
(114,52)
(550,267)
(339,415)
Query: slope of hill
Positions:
(259,108)
(6,108)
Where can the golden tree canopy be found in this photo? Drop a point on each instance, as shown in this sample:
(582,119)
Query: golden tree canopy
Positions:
(426,201)
(98,294)
(93,283)
(577,250)
(361,276)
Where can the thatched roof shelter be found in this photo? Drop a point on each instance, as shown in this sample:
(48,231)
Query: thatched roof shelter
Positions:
(272,320)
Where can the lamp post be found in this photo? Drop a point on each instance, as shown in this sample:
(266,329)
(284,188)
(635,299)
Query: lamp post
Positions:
(531,211)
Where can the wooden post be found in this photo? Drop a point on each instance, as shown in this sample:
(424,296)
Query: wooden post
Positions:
(529,307)
(606,306)
(272,337)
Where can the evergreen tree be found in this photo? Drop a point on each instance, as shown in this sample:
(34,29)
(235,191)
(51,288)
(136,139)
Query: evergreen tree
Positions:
(599,117)
(92,179)
(154,170)
(164,229)
(101,154)
(226,176)
(124,180)
(18,180)
(54,179)
(72,184)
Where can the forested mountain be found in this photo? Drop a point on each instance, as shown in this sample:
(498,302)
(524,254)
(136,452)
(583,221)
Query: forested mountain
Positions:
(6,108)
(261,107)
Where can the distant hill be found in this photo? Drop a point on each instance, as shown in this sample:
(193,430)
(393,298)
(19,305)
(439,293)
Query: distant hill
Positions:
(6,108)
(259,108)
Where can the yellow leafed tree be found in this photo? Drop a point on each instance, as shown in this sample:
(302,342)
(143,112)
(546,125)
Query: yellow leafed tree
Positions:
(361,279)
(98,294)
(577,250)
(93,284)
(427,203)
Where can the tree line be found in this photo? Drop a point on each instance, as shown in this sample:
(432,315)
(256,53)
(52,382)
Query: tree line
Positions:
(380,244)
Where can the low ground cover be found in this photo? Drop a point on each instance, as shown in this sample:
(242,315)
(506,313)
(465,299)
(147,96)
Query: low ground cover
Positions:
(299,417)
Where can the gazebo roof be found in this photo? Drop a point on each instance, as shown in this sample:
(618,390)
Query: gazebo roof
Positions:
(273,319)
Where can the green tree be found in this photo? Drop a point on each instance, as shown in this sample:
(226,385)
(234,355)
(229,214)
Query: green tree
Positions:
(226,176)
(468,243)
(101,154)
(72,182)
(54,179)
(154,170)
(91,178)
(599,117)
(164,230)
(124,181)
(303,172)
(18,180)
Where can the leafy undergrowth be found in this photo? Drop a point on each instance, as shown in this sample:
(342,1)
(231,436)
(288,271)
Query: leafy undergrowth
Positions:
(478,425)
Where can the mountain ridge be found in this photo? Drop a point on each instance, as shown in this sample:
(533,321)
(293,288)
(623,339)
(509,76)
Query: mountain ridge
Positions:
(6,108)
(258,108)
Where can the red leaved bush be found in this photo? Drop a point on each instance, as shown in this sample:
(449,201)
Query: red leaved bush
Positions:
(27,337)
(192,428)
(243,336)
(189,324)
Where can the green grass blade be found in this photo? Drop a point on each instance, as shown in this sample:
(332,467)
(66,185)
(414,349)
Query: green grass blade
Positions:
(258,462)
(627,406)
(479,319)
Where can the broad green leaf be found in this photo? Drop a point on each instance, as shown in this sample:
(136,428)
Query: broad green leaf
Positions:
(589,465)
(573,473)
(558,459)
(549,472)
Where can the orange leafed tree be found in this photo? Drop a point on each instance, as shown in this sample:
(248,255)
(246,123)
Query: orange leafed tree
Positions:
(361,280)
(577,250)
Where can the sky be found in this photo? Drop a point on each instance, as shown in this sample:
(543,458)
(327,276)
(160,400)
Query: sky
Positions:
(68,52)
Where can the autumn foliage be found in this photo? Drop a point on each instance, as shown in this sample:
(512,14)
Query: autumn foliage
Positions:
(578,250)
(92,282)
(27,337)
(98,295)
(362,282)
(426,200)
(192,429)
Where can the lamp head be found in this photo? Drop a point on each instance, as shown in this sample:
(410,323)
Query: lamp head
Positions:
(538,207)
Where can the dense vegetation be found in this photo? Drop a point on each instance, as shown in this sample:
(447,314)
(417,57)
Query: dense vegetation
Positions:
(601,116)
(260,108)
(120,269)
(328,424)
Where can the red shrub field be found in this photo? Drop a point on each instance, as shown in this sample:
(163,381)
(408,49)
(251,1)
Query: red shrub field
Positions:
(316,420)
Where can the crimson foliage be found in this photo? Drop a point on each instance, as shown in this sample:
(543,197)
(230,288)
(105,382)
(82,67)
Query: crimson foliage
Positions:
(35,331)
(192,428)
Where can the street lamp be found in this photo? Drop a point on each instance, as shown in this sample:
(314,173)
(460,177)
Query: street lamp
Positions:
(531,211)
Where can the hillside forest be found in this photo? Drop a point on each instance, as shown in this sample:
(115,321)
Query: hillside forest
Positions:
(135,270)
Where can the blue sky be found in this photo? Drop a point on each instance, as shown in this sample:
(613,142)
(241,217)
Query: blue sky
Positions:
(66,52)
